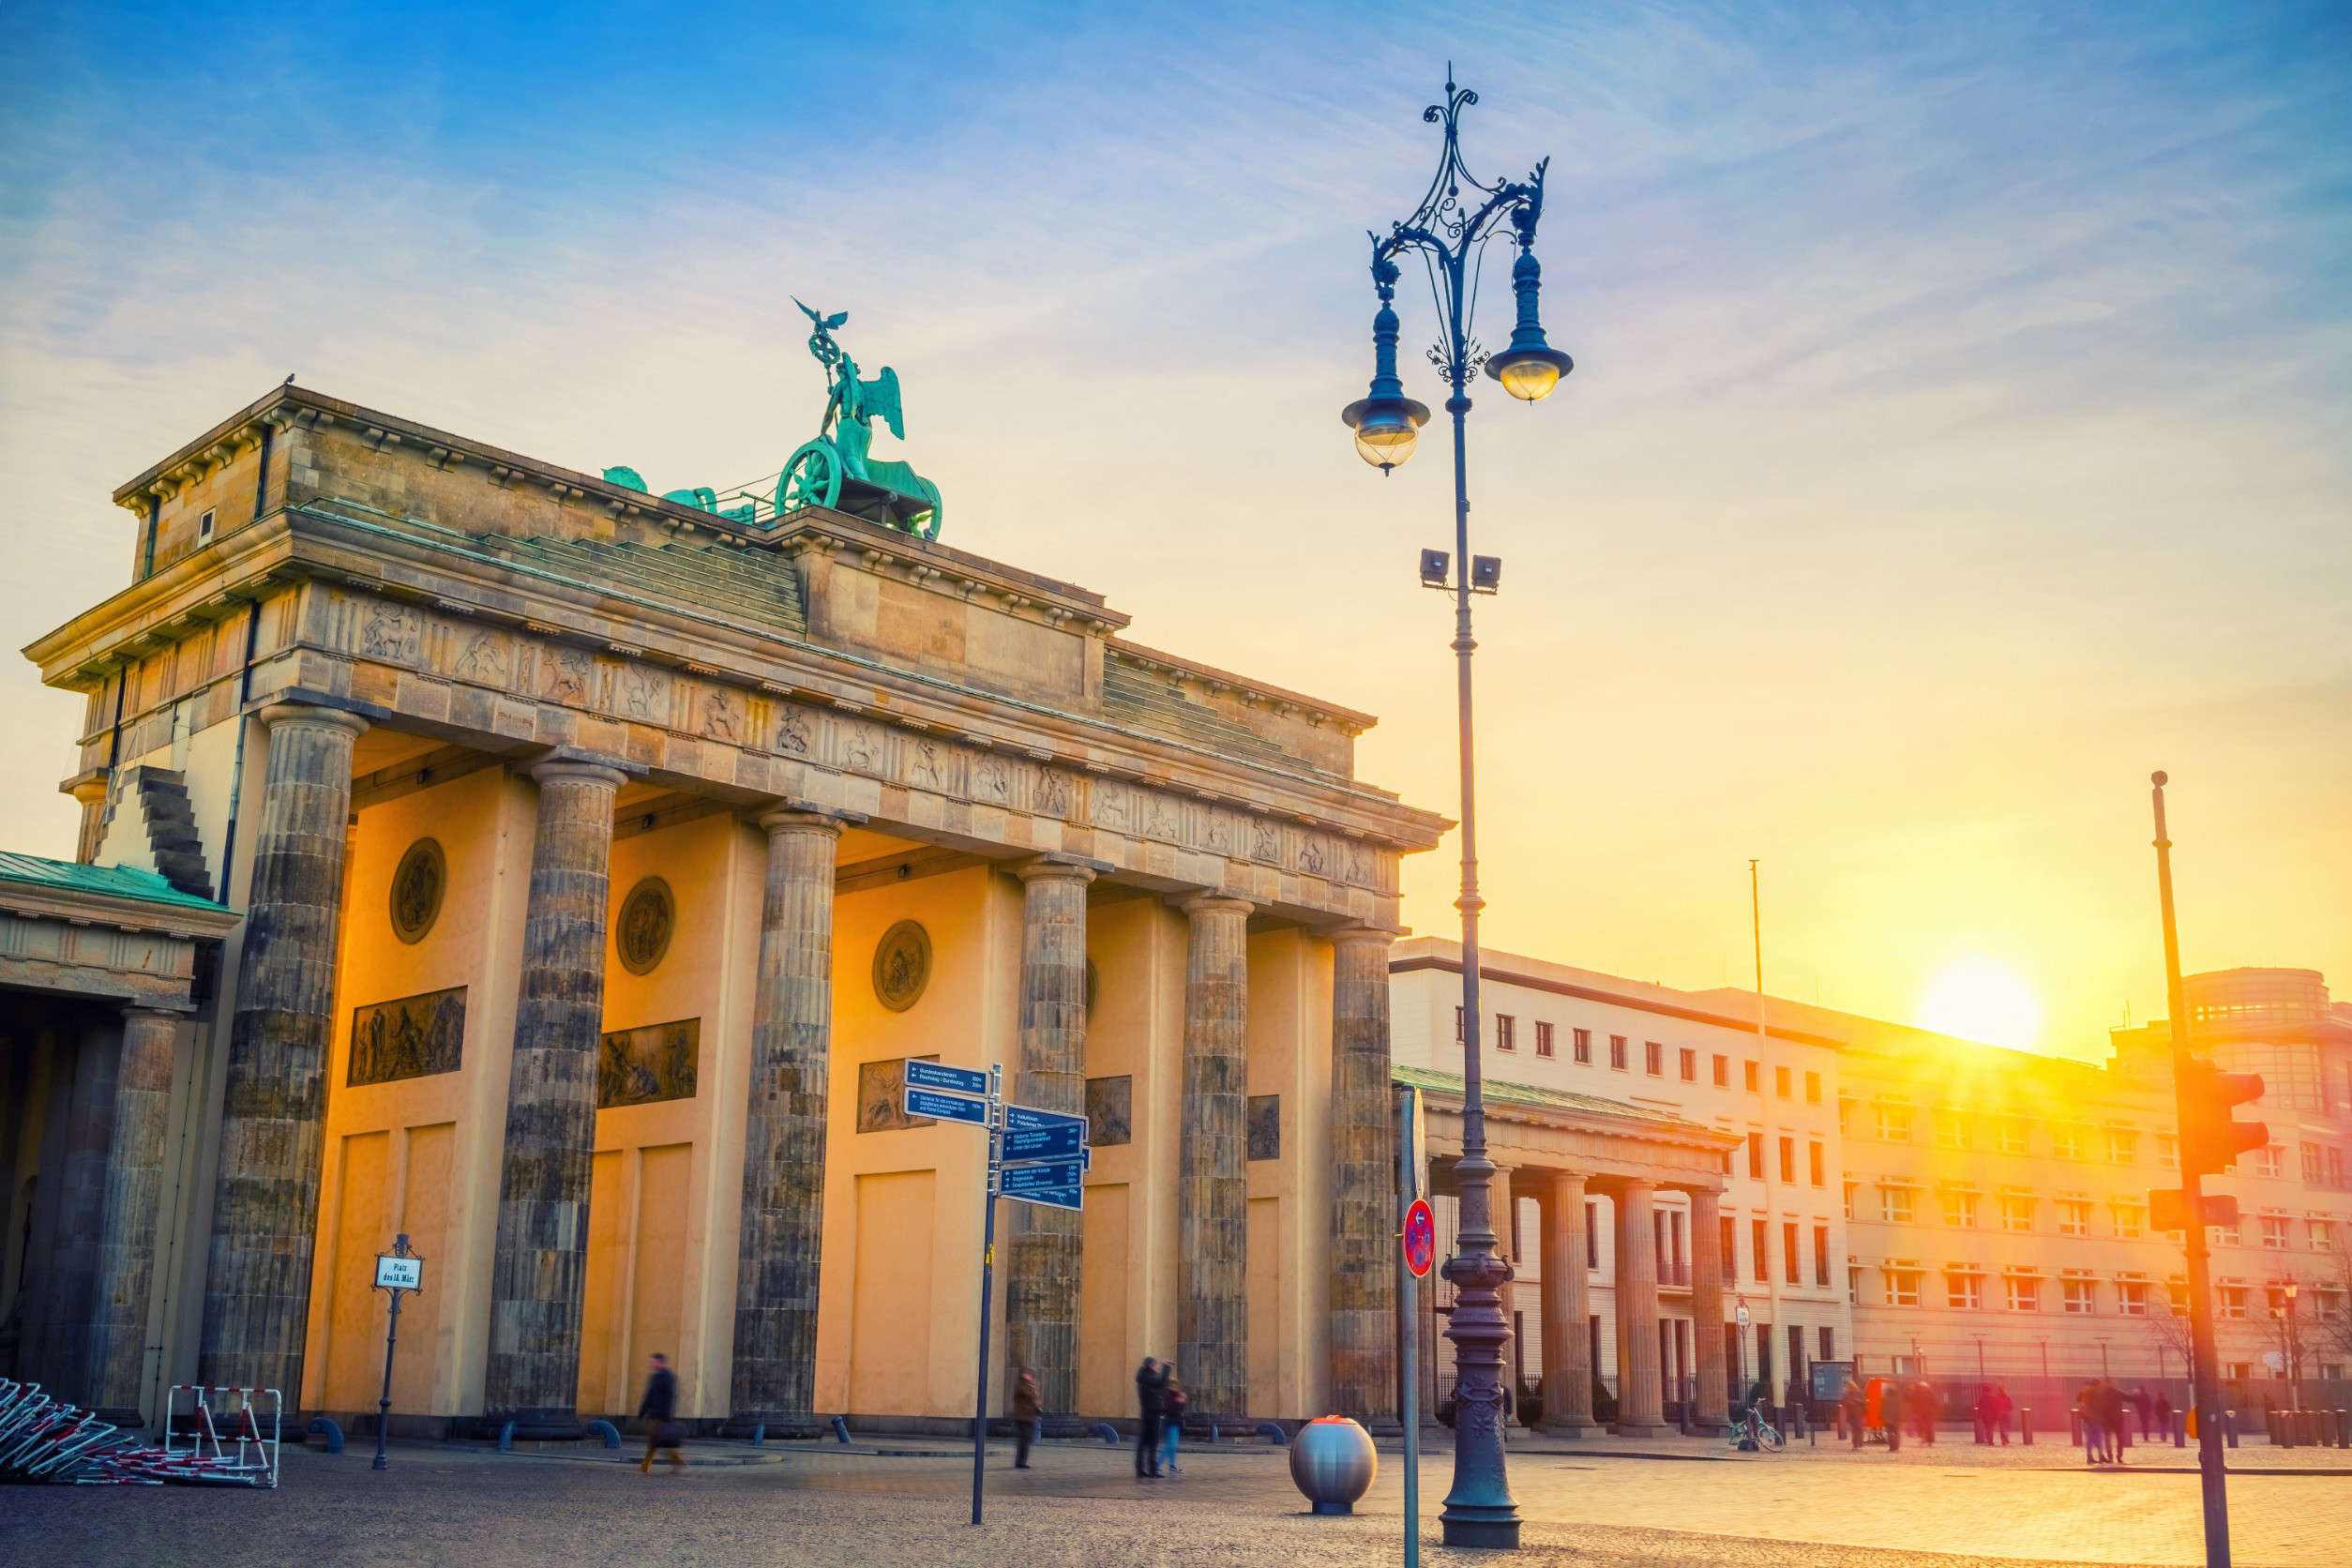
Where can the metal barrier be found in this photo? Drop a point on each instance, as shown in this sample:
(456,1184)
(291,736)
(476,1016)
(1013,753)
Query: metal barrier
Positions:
(46,1440)
(208,1406)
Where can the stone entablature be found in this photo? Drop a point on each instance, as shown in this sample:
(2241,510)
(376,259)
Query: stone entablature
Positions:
(101,934)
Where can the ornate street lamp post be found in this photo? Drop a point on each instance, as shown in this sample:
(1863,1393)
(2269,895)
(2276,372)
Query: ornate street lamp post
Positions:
(1450,232)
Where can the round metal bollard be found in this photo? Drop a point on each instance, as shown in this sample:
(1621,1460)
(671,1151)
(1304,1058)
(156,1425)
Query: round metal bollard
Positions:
(1333,1463)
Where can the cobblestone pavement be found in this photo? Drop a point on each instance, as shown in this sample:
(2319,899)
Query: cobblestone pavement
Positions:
(1082,1505)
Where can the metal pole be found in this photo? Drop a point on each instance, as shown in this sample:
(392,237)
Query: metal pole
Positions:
(988,1284)
(1408,1330)
(2203,1366)
(383,1405)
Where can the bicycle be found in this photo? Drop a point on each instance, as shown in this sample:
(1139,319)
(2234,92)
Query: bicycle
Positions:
(1751,1428)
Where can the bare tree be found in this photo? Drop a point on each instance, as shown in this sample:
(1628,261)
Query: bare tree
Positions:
(2328,1320)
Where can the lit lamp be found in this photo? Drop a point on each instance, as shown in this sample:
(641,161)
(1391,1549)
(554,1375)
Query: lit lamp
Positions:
(1386,422)
(1529,367)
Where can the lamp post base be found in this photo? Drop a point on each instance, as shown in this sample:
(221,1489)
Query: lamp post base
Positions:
(1479,1529)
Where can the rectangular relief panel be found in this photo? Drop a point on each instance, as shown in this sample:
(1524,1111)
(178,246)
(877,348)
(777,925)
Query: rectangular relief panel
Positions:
(1265,1126)
(1110,1111)
(881,1095)
(655,1061)
(412,1037)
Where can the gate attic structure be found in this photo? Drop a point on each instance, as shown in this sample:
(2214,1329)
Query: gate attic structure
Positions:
(602,859)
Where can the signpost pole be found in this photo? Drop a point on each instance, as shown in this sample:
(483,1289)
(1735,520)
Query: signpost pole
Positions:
(391,1337)
(1407,1321)
(987,1282)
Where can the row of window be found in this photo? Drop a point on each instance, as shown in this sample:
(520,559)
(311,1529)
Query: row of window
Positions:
(1792,1252)
(2078,1293)
(2127,1216)
(1895,1121)
(1817,1160)
(1653,1057)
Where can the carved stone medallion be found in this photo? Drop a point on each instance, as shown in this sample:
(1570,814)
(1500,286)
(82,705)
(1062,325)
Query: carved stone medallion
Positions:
(903,966)
(648,916)
(417,884)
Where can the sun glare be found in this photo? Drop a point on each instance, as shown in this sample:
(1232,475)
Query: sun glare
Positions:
(1979,999)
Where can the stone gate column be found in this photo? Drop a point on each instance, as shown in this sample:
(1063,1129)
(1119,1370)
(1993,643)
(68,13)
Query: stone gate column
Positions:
(1042,1246)
(82,1209)
(265,1215)
(1713,1409)
(1640,1408)
(1213,1190)
(134,1198)
(538,1274)
(774,1381)
(1363,1179)
(1567,1342)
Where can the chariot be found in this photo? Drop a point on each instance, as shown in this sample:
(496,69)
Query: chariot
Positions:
(836,469)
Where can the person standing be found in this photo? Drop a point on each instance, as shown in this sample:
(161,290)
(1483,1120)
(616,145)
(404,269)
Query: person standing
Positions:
(1151,1384)
(2111,1416)
(1172,1403)
(1028,1416)
(1924,1408)
(2086,1409)
(659,1409)
(1851,1407)
(2002,1410)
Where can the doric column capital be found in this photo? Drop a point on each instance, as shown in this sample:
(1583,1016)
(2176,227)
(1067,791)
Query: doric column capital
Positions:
(1050,869)
(1346,936)
(791,819)
(578,770)
(148,1011)
(296,716)
(1208,901)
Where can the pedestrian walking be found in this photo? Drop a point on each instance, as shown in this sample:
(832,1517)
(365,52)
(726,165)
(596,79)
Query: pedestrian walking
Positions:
(1172,1403)
(2164,1414)
(1028,1416)
(2111,1416)
(1891,1408)
(1925,1408)
(1851,1403)
(2086,1409)
(1150,1383)
(659,1409)
(2003,1407)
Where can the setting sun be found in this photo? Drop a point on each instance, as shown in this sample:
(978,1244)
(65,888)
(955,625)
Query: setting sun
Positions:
(1979,999)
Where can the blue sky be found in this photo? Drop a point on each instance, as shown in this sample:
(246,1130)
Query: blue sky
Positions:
(1958,431)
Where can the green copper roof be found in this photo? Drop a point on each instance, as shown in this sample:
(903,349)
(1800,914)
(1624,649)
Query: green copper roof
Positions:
(112,882)
(1501,1091)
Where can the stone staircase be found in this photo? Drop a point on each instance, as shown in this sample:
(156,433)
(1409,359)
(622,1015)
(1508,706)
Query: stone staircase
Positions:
(161,795)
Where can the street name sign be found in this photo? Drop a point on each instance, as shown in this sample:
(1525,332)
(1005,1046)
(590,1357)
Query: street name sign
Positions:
(1059,1142)
(1020,1180)
(945,1108)
(399,1274)
(938,1074)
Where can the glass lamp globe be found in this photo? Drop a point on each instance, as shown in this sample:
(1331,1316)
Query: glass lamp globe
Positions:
(1387,428)
(1528,374)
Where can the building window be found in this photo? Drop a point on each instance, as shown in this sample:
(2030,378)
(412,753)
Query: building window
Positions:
(1812,1097)
(2123,1145)
(1617,1052)
(1791,1252)
(1821,1255)
(2017,1210)
(1853,1285)
(2075,1295)
(2312,1166)
(1959,1207)
(2025,1292)
(1756,1155)
(2011,1133)
(1730,1240)
(2177,1296)
(1850,1199)
(2074,1217)
(1964,1288)
(1543,1038)
(2335,1165)
(2323,1235)
(1580,1041)
(2167,1151)
(1506,1032)
(1591,1235)
(1761,1235)
(2269,1160)
(1789,1160)
(1689,1062)
(2233,1301)
(1902,1286)
(2066,1141)
(1752,1074)
(1814,1163)
(2274,1233)
(1951,1129)
(2222,1235)
(1828,1340)
(2130,1297)
(203,527)
(2130,1219)
(1894,1204)
(1780,1082)
(1895,1121)
(1653,1059)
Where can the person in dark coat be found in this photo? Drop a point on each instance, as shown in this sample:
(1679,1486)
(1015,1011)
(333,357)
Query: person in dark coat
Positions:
(658,1410)
(1924,1406)
(1027,1413)
(1151,1380)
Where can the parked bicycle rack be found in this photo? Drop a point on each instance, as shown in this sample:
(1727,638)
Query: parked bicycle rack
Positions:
(44,1439)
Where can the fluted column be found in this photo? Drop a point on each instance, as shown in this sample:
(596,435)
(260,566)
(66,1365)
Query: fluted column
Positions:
(1212,1186)
(538,1274)
(264,1216)
(1714,1410)
(134,1198)
(1640,1407)
(1042,1244)
(780,1243)
(1567,1342)
(1364,1215)
(82,1209)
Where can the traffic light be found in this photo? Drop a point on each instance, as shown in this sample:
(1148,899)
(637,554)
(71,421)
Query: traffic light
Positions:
(2210,1139)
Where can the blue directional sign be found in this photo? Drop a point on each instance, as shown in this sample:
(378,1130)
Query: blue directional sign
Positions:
(1023,1144)
(1052,1197)
(1029,1118)
(1020,1179)
(938,1074)
(945,1108)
